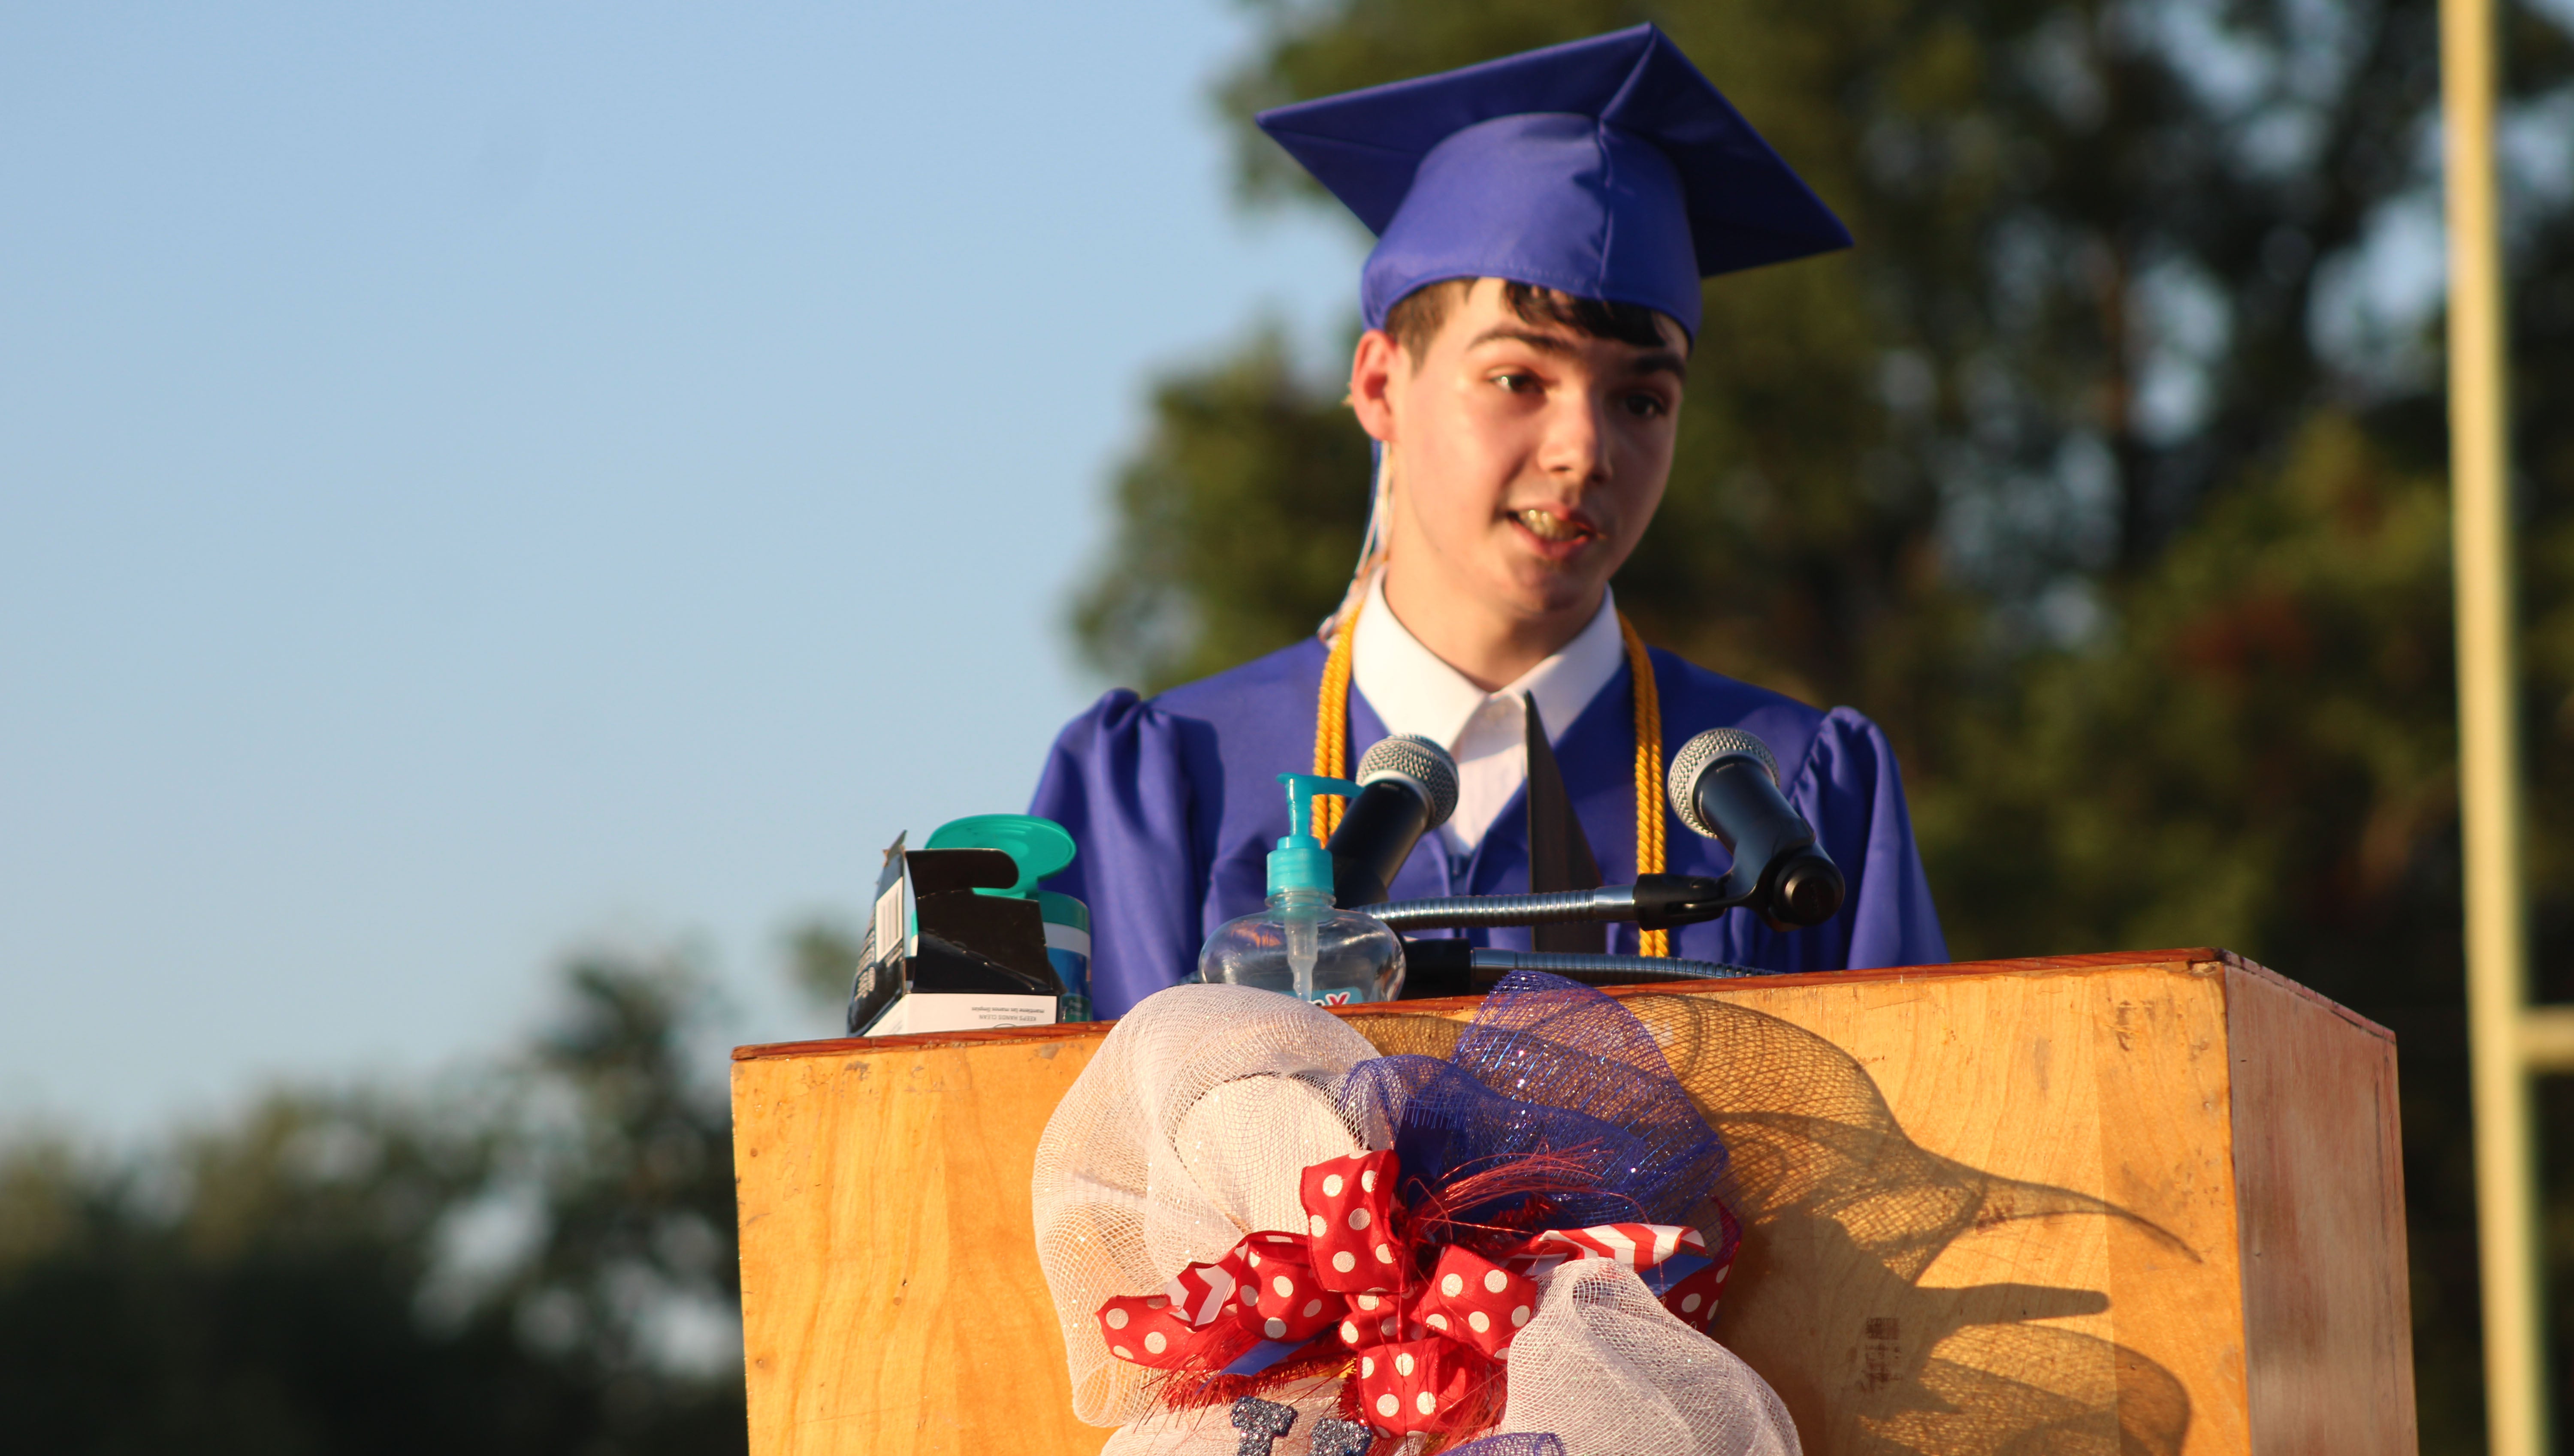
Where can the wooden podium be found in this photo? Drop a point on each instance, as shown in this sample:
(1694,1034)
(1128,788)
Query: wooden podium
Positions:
(2134,1204)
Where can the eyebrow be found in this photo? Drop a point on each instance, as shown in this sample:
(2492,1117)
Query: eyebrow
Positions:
(1658,360)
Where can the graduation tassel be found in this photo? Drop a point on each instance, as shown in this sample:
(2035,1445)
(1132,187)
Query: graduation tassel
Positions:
(1332,723)
(1649,774)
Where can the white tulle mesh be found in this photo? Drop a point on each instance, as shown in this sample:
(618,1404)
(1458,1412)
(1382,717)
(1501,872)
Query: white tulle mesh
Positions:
(1188,1130)
(1608,1370)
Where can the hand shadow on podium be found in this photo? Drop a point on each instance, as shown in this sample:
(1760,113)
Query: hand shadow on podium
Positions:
(1821,1172)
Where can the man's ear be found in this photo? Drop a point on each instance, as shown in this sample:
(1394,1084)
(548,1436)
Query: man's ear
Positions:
(1373,367)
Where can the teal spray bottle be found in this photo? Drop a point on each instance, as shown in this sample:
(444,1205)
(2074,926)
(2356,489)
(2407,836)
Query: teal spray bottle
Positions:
(1300,944)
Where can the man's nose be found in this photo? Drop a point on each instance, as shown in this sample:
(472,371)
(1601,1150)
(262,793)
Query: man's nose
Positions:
(1576,441)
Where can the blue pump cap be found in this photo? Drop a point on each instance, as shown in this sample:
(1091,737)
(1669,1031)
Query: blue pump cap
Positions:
(1300,861)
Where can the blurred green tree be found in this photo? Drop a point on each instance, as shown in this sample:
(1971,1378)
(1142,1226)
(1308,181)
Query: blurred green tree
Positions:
(822,964)
(541,1261)
(1237,519)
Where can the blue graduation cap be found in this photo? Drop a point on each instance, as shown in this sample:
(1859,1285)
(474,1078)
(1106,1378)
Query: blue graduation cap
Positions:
(1606,168)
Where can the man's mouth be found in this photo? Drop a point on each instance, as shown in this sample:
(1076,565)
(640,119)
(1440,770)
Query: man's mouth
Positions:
(1548,526)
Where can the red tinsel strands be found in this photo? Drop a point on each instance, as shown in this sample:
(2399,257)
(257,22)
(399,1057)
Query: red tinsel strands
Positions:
(1527,1178)
(1198,1389)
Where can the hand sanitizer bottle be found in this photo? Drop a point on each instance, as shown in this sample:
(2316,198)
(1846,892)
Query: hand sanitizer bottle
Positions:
(1301,946)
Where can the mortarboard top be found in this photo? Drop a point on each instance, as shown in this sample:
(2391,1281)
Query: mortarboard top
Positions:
(1606,168)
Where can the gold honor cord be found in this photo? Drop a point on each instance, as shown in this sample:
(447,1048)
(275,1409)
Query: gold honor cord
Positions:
(1332,750)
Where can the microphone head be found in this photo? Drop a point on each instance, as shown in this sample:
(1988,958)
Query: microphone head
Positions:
(1700,756)
(1419,762)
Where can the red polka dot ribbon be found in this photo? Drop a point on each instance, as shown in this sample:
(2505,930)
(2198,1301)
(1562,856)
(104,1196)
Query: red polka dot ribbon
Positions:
(1426,1353)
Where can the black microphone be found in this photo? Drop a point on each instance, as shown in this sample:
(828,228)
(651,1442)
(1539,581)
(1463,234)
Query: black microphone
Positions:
(1724,785)
(1408,788)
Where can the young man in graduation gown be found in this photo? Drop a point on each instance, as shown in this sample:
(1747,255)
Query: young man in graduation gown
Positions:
(1543,222)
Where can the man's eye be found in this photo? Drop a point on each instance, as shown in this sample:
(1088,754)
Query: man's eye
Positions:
(1646,406)
(1515,384)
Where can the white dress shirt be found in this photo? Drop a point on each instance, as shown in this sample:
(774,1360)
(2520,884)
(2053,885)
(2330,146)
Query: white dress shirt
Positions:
(1413,691)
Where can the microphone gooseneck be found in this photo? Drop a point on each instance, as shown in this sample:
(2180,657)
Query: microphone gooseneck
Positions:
(1408,787)
(1561,907)
(1437,967)
(1608,970)
(1724,784)
(1654,901)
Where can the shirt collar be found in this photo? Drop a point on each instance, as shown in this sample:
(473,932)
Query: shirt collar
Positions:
(1414,691)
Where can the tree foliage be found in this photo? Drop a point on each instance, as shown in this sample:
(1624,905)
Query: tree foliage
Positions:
(2105,472)
(541,1261)
(1234,527)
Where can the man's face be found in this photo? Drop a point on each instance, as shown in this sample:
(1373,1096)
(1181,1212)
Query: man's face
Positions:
(1528,457)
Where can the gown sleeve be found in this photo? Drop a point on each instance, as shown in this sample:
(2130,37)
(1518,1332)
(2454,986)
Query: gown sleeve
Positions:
(1118,779)
(1850,790)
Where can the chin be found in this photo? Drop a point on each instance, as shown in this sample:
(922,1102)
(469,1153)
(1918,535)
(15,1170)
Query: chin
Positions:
(1548,593)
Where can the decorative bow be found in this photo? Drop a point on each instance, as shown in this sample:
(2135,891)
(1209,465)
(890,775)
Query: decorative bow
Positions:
(1429,1350)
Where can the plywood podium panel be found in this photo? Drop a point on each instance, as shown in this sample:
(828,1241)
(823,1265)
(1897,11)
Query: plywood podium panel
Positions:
(2124,1203)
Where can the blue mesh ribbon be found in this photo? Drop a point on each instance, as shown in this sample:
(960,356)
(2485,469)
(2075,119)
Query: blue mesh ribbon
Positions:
(1549,1071)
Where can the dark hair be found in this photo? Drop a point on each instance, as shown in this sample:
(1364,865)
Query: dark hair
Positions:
(1416,319)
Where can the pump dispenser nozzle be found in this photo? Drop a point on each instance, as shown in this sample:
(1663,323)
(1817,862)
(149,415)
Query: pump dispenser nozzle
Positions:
(1300,876)
(1300,944)
(1300,861)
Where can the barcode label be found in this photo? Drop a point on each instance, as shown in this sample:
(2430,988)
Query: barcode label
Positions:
(886,937)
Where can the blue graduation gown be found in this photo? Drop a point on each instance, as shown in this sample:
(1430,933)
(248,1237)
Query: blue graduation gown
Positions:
(1174,806)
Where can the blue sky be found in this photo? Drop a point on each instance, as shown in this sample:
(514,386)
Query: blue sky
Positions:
(480,478)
